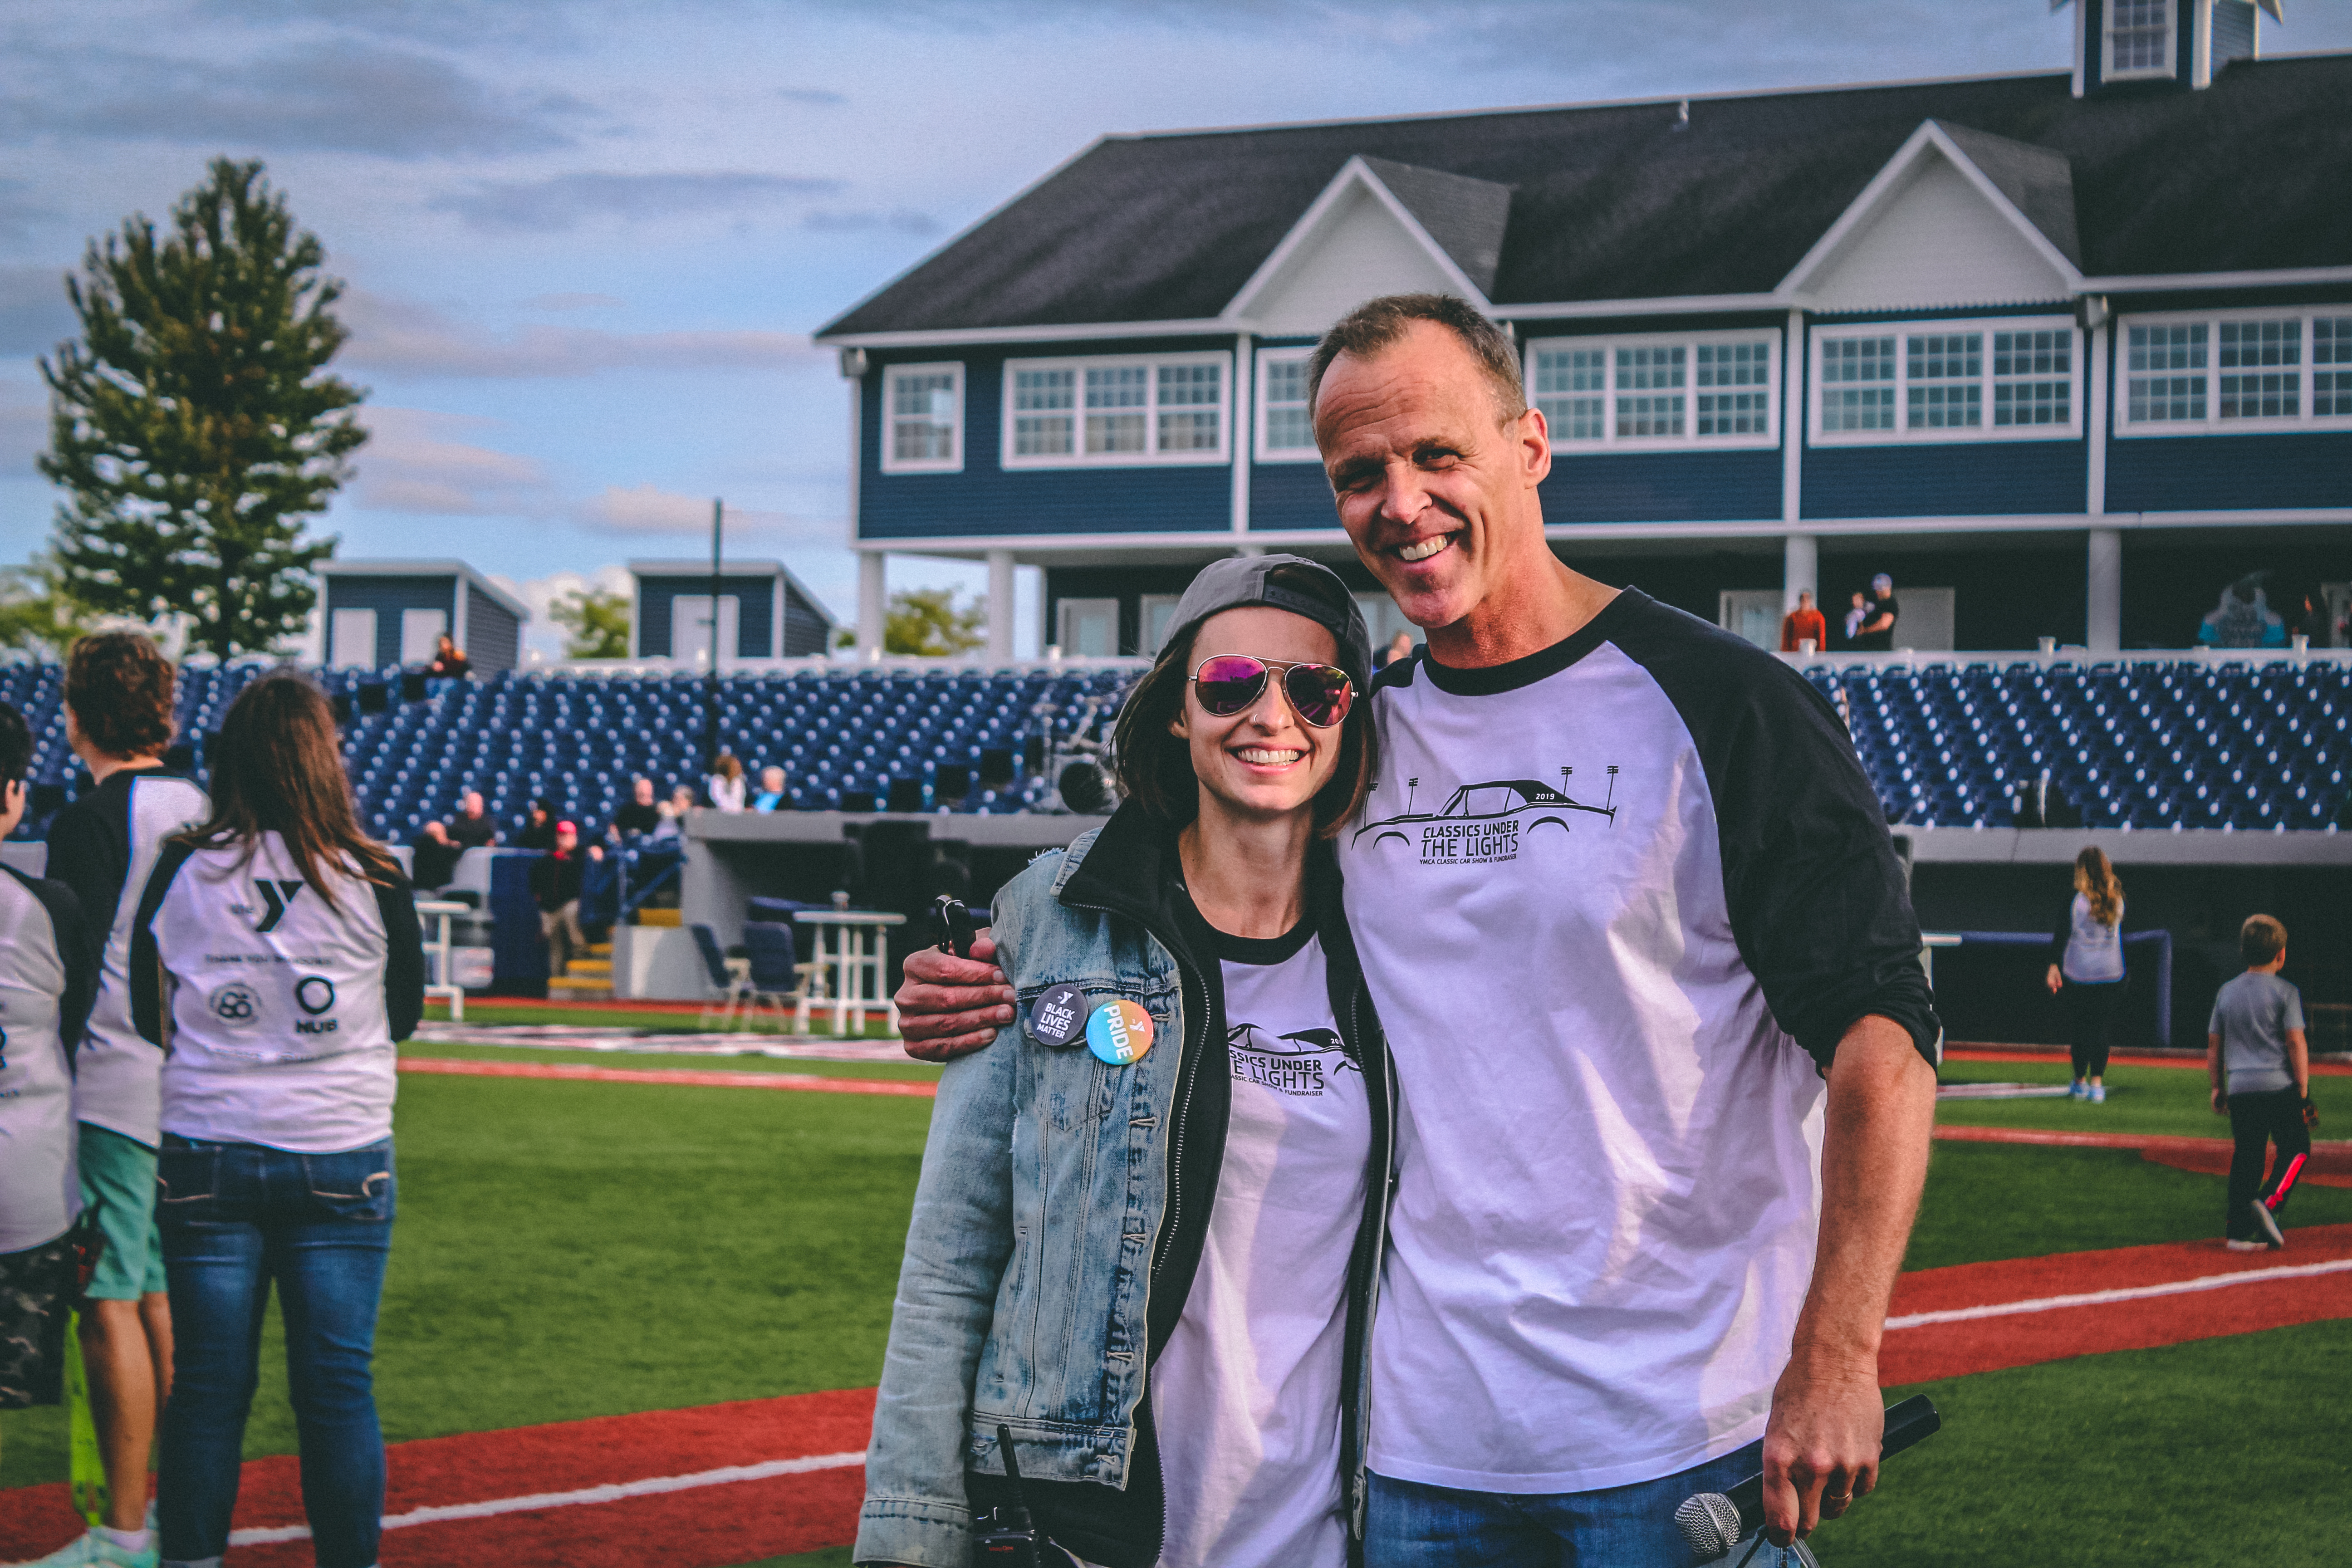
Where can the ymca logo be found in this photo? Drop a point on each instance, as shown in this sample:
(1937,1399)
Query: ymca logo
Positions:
(279,896)
(1486,824)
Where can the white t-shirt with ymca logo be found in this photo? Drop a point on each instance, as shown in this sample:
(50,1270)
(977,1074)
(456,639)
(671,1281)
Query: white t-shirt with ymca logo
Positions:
(278,1028)
(1245,1394)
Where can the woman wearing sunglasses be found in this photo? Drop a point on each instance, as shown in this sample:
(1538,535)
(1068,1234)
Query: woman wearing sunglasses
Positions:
(1147,1232)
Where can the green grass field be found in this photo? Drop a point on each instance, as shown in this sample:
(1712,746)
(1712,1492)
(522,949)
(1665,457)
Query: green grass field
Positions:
(573,1249)
(2171,1100)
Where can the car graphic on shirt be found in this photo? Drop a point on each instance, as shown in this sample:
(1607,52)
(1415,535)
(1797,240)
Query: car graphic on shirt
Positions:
(1529,801)
(1293,1064)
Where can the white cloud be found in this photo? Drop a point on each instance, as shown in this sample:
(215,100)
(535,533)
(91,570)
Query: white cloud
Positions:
(407,337)
(541,634)
(647,511)
(411,464)
(562,202)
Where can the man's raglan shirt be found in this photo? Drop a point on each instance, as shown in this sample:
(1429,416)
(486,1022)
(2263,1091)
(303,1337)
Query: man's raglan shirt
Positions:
(103,847)
(48,969)
(1618,902)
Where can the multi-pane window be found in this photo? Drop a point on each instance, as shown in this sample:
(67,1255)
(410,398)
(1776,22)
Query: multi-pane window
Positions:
(1858,384)
(923,418)
(2139,38)
(2331,344)
(2033,377)
(2253,358)
(1285,430)
(1948,381)
(1129,409)
(1045,422)
(1693,391)
(1735,388)
(2267,371)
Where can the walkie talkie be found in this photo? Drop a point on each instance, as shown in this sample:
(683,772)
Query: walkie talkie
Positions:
(1004,1537)
(951,923)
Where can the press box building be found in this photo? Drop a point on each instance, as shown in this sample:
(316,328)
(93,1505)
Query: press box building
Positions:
(2020,340)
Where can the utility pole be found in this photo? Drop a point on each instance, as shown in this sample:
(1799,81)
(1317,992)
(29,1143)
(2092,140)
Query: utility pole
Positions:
(710,718)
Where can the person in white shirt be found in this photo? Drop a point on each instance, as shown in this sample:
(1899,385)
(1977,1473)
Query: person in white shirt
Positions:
(1626,899)
(276,956)
(726,784)
(2086,969)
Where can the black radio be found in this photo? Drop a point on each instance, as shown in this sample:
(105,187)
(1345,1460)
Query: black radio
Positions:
(1005,1537)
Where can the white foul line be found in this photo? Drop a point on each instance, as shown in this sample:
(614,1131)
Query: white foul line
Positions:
(2129,1293)
(614,1492)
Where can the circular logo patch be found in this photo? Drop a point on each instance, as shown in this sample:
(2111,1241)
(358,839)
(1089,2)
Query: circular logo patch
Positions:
(314,994)
(1058,1017)
(235,1004)
(1119,1033)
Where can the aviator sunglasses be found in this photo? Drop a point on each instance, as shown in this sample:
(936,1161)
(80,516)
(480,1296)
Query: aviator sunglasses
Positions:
(1230,683)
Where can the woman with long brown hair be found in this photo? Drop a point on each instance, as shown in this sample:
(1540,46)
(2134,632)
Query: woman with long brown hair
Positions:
(2086,969)
(276,956)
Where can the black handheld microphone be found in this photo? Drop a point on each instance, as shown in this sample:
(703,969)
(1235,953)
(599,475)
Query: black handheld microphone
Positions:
(1714,1522)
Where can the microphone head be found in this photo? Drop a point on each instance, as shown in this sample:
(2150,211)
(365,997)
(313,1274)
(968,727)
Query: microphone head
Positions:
(1710,1522)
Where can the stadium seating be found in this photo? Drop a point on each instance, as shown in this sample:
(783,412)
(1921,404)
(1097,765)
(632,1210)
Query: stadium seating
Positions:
(2146,745)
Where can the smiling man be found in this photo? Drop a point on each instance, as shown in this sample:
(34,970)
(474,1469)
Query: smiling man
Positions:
(1626,899)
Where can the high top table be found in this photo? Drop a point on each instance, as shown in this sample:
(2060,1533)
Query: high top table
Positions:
(445,984)
(858,961)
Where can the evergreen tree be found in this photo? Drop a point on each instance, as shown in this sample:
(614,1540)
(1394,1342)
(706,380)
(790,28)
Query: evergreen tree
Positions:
(193,424)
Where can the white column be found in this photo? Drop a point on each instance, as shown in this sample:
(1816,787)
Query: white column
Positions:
(999,606)
(2104,630)
(1240,438)
(1800,569)
(2095,421)
(1793,419)
(872,598)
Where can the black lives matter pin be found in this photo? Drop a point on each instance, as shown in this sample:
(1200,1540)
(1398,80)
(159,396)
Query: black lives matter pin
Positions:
(1058,1018)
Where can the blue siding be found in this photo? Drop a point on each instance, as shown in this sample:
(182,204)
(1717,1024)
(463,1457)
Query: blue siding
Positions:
(2233,32)
(1961,479)
(493,637)
(986,499)
(1291,495)
(2210,473)
(806,627)
(388,596)
(1663,487)
(755,617)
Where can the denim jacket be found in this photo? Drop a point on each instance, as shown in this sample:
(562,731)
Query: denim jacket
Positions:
(1060,1217)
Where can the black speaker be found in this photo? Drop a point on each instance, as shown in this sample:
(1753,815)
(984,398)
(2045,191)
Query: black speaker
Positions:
(996,765)
(343,710)
(1034,752)
(951,781)
(412,686)
(906,794)
(858,800)
(375,696)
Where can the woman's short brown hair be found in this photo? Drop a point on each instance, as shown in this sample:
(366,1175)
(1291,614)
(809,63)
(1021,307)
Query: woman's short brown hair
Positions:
(1155,767)
(119,685)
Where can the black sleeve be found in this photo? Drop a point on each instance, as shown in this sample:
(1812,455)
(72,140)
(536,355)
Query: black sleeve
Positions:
(146,968)
(78,954)
(403,958)
(90,861)
(1818,901)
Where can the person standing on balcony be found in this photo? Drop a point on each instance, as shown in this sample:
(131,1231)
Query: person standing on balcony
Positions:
(1802,622)
(2086,969)
(1877,633)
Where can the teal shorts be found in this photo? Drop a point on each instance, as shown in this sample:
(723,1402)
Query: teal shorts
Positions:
(117,1182)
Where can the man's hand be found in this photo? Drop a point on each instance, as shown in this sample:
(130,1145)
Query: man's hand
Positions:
(1820,1451)
(950,1006)
(1820,1448)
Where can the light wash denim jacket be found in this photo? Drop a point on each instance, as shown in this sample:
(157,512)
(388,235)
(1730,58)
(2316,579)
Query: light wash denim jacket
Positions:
(1045,1262)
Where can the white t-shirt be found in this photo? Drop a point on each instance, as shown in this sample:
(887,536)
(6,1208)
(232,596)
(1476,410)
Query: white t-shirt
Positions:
(1577,880)
(2095,949)
(39,1191)
(280,1030)
(1245,1394)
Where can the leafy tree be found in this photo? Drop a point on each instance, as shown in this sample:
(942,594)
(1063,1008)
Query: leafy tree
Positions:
(599,623)
(38,612)
(925,622)
(192,423)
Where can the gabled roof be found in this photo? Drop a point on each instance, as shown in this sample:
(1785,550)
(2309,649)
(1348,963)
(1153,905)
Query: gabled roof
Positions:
(1465,216)
(733,567)
(1626,200)
(1469,213)
(474,581)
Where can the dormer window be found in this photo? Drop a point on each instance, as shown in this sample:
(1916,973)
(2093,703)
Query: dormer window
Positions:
(2140,39)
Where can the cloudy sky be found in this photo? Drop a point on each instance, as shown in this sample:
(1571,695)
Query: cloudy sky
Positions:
(585,242)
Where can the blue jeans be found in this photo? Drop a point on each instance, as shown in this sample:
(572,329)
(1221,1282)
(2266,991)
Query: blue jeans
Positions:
(1409,1525)
(238,1217)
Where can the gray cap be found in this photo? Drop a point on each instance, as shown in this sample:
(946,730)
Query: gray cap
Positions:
(1239,580)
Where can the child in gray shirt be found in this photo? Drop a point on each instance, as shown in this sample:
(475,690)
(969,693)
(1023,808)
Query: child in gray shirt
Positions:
(2261,1064)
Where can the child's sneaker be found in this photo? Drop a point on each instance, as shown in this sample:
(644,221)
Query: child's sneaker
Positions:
(91,1549)
(2077,1090)
(2098,1094)
(2234,1245)
(2269,1224)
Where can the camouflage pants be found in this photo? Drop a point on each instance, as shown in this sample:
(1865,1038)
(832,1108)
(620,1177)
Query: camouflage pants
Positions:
(36,1293)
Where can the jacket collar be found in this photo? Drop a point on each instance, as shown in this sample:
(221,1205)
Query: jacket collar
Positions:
(1129,867)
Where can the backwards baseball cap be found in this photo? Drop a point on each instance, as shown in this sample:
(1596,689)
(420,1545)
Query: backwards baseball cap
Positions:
(1290,583)
(1882,582)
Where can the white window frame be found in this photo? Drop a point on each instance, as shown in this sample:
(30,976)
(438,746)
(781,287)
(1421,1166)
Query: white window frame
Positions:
(1263,452)
(1902,332)
(2303,419)
(1151,457)
(952,463)
(1690,343)
(2172,63)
